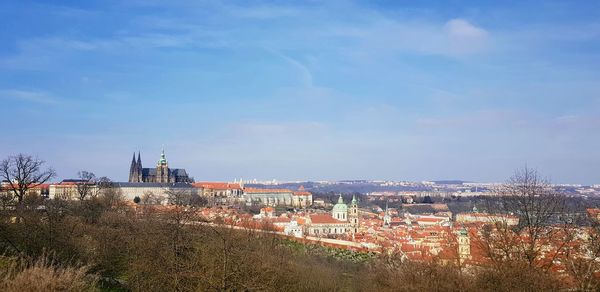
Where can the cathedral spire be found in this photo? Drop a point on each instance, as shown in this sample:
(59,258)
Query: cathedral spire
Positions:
(139,160)
(132,169)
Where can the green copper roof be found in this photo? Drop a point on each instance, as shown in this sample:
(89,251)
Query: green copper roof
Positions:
(340,206)
(162,159)
(464,232)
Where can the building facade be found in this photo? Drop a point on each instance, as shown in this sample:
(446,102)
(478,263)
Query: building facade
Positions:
(160,174)
(342,220)
(221,192)
(160,192)
(278,197)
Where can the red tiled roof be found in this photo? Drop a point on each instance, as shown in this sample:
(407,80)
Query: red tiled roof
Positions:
(302,193)
(31,186)
(324,219)
(252,190)
(268,209)
(216,185)
(594,212)
(281,220)
(431,219)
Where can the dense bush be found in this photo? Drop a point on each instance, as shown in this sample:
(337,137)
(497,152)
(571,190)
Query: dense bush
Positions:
(78,246)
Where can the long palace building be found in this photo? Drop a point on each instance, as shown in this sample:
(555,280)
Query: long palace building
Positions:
(160,180)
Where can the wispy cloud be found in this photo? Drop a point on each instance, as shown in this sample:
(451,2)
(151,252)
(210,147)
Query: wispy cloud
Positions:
(28,96)
(352,84)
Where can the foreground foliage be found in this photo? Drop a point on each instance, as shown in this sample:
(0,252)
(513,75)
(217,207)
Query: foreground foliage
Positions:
(99,244)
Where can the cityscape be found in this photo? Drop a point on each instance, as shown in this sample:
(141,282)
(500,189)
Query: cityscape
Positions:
(429,221)
(299,146)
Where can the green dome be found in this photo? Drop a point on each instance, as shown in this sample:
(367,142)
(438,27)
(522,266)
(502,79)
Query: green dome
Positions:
(340,206)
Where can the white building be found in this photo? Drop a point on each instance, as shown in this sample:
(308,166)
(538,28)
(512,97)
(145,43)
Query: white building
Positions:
(340,221)
(278,197)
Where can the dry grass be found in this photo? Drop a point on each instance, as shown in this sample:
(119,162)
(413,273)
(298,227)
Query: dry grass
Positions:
(44,275)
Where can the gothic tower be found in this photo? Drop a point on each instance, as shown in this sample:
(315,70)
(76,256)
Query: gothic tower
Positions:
(162,169)
(133,170)
(140,177)
(353,214)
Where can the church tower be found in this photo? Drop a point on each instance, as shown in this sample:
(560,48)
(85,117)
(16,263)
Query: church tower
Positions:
(353,214)
(132,170)
(140,171)
(387,219)
(464,245)
(162,169)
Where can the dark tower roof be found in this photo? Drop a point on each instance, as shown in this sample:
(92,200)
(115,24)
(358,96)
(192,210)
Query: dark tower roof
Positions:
(133,165)
(139,161)
(133,168)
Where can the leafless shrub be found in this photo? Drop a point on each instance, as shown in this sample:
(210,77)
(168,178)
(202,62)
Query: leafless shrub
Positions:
(44,275)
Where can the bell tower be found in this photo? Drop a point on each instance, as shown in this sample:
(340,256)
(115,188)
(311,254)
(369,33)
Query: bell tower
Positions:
(162,169)
(464,245)
(353,214)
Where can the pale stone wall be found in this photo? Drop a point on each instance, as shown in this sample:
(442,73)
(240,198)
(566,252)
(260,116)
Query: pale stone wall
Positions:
(302,201)
(327,229)
(129,193)
(270,199)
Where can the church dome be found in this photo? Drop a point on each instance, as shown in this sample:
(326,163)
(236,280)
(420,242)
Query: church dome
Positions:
(340,206)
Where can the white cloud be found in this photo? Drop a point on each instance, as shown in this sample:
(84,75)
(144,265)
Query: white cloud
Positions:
(463,29)
(463,37)
(31,96)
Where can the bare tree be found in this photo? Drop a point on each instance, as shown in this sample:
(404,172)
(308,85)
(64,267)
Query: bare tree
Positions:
(542,215)
(24,172)
(102,184)
(110,195)
(178,197)
(149,198)
(86,185)
(584,264)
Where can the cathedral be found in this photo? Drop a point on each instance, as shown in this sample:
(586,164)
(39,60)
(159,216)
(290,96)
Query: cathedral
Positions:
(161,174)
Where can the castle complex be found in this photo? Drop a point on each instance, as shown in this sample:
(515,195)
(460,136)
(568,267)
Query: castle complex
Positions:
(161,174)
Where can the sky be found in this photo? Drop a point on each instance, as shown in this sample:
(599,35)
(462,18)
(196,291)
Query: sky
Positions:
(305,90)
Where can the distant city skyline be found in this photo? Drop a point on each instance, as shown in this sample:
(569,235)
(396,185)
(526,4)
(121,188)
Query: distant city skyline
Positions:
(332,90)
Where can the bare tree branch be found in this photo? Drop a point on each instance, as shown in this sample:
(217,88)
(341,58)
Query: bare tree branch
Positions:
(24,172)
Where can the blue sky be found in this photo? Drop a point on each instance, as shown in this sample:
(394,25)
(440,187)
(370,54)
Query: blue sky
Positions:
(403,90)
